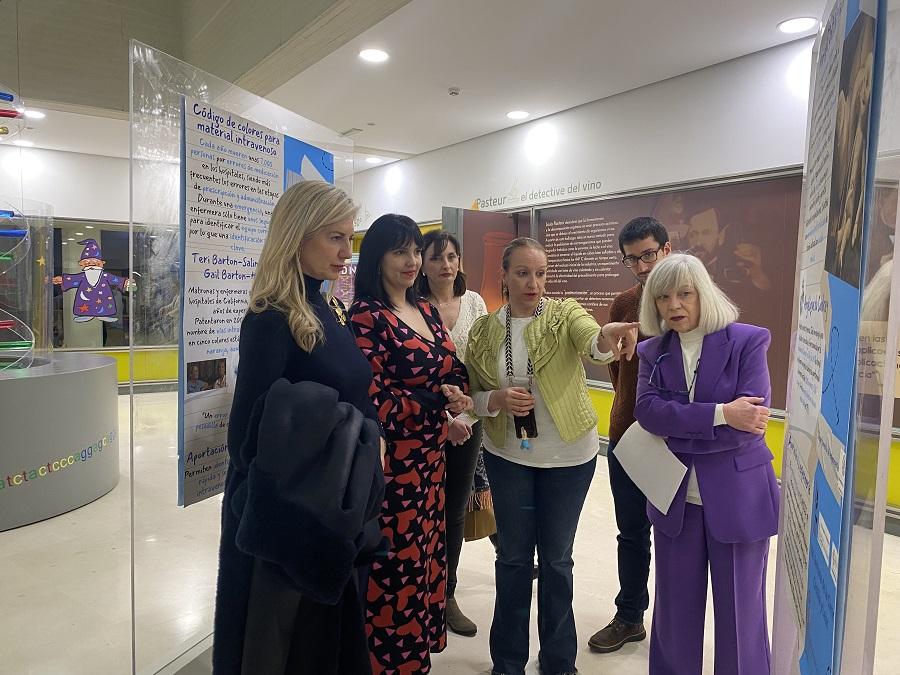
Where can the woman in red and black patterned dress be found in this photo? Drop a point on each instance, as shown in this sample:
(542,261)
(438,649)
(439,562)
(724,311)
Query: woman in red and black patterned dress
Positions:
(416,378)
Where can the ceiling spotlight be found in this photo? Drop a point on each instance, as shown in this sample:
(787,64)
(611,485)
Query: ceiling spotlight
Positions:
(799,25)
(373,160)
(517,114)
(90,227)
(373,55)
(34,114)
(23,143)
(79,234)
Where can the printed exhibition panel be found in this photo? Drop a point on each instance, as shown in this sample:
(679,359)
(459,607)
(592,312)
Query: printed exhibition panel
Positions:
(745,233)
(814,537)
(233,172)
(873,331)
(484,236)
(345,284)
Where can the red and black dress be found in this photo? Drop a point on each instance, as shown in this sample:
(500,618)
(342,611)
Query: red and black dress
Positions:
(406,593)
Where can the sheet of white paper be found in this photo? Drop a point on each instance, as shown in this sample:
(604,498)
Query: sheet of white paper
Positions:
(651,465)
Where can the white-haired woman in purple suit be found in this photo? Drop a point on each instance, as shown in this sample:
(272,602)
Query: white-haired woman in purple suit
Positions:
(703,384)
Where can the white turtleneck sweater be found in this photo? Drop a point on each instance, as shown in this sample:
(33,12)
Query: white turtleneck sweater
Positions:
(691,346)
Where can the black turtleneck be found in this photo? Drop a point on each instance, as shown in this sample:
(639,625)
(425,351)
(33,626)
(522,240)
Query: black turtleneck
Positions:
(268,351)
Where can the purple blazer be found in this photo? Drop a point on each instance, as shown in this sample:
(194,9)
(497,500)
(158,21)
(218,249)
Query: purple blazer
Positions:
(734,468)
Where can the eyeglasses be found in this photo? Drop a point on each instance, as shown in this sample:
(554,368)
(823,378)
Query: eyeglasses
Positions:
(655,385)
(647,257)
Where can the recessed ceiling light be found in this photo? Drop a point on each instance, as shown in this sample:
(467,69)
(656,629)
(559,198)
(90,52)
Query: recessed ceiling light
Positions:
(517,114)
(71,239)
(80,234)
(34,114)
(373,160)
(23,143)
(90,227)
(799,25)
(373,55)
(65,243)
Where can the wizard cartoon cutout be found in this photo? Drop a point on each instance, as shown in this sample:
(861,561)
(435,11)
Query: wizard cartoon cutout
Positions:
(94,299)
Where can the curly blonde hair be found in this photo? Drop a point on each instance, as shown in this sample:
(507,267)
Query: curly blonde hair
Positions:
(303,210)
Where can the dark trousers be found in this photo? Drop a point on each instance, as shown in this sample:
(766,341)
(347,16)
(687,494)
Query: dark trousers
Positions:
(633,542)
(535,508)
(461,461)
(286,632)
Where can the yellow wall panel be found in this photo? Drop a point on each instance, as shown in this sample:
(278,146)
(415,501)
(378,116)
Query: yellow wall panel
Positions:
(154,365)
(603,399)
(150,365)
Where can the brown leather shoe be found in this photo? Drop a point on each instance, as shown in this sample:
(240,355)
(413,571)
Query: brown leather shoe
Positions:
(458,622)
(616,634)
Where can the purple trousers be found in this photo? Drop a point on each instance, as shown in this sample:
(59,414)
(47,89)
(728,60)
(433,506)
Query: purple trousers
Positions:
(738,574)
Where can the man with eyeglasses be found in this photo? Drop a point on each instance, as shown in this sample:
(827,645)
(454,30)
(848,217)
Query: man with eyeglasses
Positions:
(643,242)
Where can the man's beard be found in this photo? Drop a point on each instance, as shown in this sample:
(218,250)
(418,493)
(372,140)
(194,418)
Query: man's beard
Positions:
(699,252)
(93,274)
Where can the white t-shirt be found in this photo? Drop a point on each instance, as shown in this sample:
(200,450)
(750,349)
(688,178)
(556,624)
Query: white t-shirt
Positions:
(548,450)
(691,346)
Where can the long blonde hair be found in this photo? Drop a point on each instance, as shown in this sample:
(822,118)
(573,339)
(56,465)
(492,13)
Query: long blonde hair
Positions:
(303,210)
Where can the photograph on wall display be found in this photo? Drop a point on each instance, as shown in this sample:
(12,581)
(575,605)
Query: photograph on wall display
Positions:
(745,233)
(485,235)
(876,295)
(848,171)
(206,375)
(884,227)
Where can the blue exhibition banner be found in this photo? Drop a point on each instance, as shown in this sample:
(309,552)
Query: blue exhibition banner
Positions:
(233,172)
(303,161)
(817,473)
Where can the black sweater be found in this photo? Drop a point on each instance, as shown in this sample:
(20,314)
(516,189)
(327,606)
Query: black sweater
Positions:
(268,351)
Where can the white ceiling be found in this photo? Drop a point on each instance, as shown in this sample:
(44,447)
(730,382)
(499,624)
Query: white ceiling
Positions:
(106,133)
(102,133)
(532,55)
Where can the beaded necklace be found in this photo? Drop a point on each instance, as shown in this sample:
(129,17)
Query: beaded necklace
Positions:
(521,431)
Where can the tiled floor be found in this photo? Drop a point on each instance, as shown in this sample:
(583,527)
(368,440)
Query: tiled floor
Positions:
(65,583)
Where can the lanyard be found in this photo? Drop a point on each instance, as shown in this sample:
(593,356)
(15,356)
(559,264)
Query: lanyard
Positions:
(509,360)
(508,346)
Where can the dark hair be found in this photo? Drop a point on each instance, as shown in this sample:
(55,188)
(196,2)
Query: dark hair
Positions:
(521,242)
(641,228)
(440,240)
(388,233)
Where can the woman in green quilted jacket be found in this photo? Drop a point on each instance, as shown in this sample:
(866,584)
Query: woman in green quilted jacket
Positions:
(528,384)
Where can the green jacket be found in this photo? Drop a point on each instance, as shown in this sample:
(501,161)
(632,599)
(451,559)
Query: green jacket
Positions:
(556,341)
